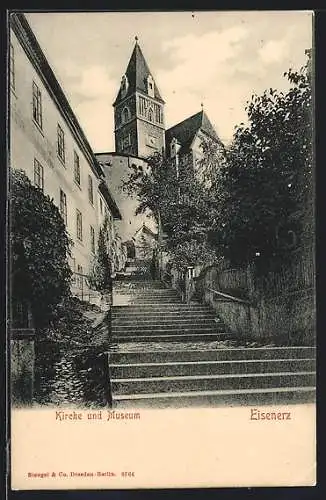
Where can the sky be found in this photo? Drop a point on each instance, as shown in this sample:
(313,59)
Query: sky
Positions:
(217,58)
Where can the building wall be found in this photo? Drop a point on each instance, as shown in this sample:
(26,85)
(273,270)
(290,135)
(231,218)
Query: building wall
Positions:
(126,131)
(138,136)
(28,142)
(126,139)
(144,245)
(116,172)
(148,132)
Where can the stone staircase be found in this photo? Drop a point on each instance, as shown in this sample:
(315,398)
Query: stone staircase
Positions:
(171,354)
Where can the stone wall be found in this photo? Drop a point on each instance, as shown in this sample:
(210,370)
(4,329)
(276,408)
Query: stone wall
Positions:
(22,362)
(279,307)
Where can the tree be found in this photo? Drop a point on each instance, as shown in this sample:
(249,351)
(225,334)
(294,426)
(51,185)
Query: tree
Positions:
(180,203)
(39,248)
(266,209)
(100,277)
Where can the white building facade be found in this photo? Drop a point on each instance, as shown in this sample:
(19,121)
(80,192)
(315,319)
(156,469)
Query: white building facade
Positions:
(47,142)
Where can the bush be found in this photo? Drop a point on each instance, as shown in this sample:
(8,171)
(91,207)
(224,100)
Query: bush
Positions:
(39,249)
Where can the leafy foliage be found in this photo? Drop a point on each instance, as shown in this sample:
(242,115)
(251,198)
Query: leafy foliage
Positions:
(100,276)
(267,208)
(39,246)
(179,202)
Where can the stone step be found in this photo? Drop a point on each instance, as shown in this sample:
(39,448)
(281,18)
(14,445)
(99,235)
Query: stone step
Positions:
(142,283)
(209,367)
(139,289)
(149,296)
(146,292)
(241,353)
(152,301)
(243,397)
(169,316)
(185,383)
(163,328)
(160,308)
(154,321)
(159,328)
(172,337)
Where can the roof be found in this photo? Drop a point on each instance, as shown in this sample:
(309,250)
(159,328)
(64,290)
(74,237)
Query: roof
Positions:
(185,131)
(137,73)
(35,54)
(144,228)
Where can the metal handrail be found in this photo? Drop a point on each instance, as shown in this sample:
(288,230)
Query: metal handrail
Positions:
(231,297)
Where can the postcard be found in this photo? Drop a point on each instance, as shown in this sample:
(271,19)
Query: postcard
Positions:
(162,319)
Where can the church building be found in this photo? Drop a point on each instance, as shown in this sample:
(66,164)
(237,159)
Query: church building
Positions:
(139,129)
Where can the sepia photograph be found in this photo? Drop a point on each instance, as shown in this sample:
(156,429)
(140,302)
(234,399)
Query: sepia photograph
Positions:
(161,220)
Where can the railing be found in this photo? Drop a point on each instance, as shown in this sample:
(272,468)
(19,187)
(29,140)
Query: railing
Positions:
(230,297)
(81,289)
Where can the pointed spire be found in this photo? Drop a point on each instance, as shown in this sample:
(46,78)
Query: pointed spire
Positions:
(137,73)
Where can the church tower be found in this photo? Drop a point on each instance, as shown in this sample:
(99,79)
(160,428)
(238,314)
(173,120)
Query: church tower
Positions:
(138,110)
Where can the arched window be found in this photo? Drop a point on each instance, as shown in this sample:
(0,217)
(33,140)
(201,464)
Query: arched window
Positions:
(130,250)
(124,85)
(125,115)
(150,85)
(150,114)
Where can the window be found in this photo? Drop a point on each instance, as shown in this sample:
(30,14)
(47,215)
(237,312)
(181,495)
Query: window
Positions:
(37,105)
(79,276)
(73,268)
(12,66)
(38,175)
(150,86)
(76,168)
(150,115)
(92,235)
(143,105)
(125,115)
(158,113)
(79,221)
(124,85)
(90,190)
(61,143)
(63,206)
(126,141)
(101,206)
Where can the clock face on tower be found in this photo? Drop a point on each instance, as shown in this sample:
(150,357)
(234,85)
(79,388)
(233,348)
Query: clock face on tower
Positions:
(151,141)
